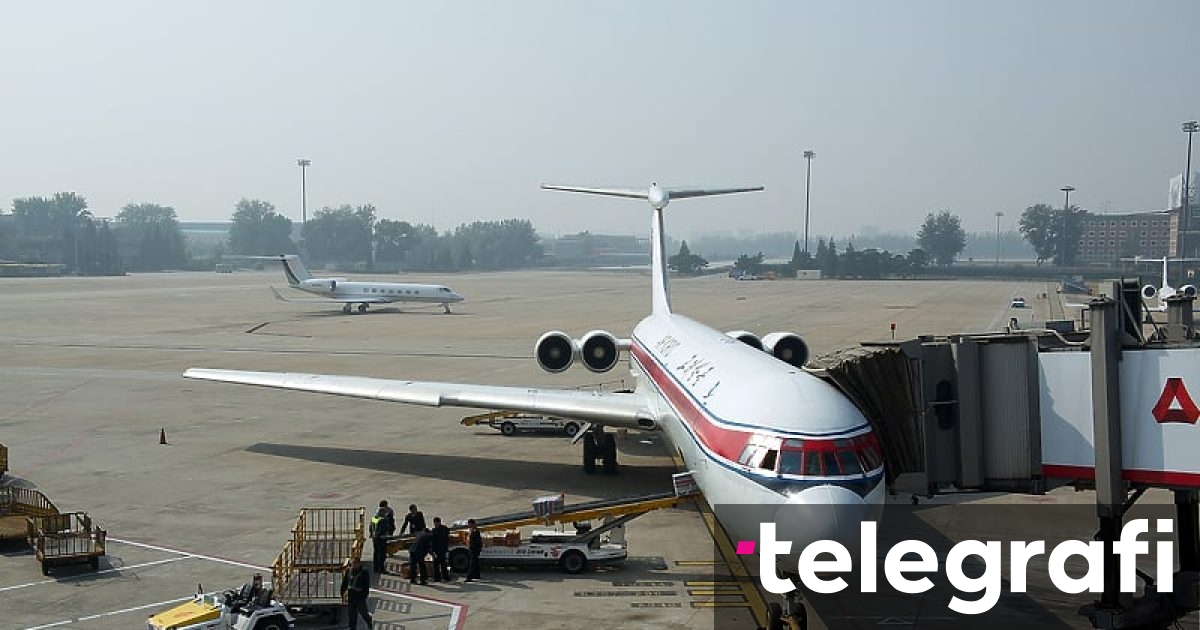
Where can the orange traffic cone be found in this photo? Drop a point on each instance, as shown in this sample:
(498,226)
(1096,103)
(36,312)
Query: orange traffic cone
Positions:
(162,435)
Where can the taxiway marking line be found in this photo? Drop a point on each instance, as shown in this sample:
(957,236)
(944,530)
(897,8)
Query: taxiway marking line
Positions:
(110,613)
(88,575)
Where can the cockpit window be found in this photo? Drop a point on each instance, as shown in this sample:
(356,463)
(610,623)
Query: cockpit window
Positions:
(858,455)
(790,461)
(768,462)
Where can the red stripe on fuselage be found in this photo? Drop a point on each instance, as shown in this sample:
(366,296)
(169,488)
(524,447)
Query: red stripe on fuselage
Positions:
(727,443)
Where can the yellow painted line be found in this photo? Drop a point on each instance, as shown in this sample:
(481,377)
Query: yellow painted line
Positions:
(717,583)
(708,592)
(758,606)
(695,563)
(722,605)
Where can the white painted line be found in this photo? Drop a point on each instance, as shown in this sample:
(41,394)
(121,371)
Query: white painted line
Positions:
(110,613)
(88,575)
(244,565)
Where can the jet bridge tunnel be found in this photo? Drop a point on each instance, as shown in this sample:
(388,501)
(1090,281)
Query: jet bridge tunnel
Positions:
(1112,406)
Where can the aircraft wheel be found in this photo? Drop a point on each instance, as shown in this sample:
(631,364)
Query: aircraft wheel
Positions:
(774,616)
(362,308)
(571,429)
(508,429)
(346,308)
(589,453)
(609,453)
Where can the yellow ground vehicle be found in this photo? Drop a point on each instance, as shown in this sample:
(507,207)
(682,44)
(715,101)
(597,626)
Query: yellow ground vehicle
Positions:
(248,608)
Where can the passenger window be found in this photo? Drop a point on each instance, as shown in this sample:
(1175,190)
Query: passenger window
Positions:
(768,462)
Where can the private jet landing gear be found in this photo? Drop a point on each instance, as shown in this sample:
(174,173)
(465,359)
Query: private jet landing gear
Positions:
(362,308)
(346,308)
(447,307)
(597,444)
(792,615)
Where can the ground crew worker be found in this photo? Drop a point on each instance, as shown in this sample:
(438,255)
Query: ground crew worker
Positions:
(416,556)
(414,521)
(356,585)
(383,525)
(441,546)
(475,545)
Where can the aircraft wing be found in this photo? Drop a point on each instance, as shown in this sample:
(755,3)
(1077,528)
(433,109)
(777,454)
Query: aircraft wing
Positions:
(607,408)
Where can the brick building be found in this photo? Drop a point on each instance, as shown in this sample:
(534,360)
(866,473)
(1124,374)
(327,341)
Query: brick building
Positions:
(1106,238)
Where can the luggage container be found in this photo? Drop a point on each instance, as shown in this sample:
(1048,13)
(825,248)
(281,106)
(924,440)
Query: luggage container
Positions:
(325,542)
(16,505)
(69,538)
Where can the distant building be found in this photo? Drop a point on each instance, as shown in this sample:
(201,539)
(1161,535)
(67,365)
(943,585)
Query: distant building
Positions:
(1106,238)
(589,249)
(1191,235)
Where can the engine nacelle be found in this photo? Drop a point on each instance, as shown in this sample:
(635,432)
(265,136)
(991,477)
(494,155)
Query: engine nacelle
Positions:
(747,337)
(600,350)
(787,347)
(1149,291)
(1188,290)
(555,351)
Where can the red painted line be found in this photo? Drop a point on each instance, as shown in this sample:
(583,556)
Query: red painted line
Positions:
(727,443)
(1157,477)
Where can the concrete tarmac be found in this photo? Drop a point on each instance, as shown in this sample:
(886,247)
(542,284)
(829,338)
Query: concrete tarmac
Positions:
(91,374)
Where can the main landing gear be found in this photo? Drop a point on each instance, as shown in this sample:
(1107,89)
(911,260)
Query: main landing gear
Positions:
(792,615)
(362,308)
(599,444)
(447,307)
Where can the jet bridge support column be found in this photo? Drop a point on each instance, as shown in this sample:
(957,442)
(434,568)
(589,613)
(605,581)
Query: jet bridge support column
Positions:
(1106,407)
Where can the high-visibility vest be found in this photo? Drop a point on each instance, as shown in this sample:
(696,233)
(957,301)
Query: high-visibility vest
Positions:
(375,521)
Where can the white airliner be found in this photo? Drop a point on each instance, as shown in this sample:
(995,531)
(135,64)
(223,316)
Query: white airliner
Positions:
(740,411)
(361,293)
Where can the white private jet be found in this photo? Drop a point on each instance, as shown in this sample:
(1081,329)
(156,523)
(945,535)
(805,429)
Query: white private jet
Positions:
(361,293)
(752,425)
(1150,292)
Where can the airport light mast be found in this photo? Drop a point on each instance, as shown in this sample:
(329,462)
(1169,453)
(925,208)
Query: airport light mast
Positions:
(808,155)
(303,164)
(1062,241)
(998,215)
(1189,128)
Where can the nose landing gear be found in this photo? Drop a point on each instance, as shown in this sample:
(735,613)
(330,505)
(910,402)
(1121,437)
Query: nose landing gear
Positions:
(599,444)
(791,615)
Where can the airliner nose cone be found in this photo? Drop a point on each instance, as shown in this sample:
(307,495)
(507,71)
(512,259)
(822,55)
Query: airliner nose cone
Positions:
(823,513)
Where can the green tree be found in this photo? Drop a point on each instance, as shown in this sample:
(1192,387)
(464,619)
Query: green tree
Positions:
(942,236)
(1053,232)
(341,234)
(394,240)
(258,230)
(801,259)
(685,262)
(918,259)
(506,244)
(828,260)
(156,230)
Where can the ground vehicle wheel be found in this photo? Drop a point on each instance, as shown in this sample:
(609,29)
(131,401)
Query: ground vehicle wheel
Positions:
(571,429)
(460,561)
(271,623)
(589,453)
(573,562)
(774,616)
(508,428)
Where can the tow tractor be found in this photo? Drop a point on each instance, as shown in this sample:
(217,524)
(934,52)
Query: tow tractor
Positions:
(573,552)
(248,608)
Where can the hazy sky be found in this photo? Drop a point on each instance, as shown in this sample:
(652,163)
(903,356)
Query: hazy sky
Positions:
(447,112)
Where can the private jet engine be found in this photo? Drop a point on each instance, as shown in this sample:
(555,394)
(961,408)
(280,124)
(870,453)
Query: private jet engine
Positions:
(1188,290)
(747,337)
(600,350)
(555,351)
(787,347)
(1149,291)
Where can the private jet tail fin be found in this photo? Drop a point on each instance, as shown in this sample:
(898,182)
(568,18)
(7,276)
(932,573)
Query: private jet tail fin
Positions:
(658,197)
(293,269)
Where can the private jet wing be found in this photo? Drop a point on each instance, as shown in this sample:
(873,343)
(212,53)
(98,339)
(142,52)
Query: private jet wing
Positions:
(369,299)
(606,408)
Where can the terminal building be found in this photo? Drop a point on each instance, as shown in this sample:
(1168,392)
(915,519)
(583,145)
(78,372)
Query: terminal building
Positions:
(1106,238)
